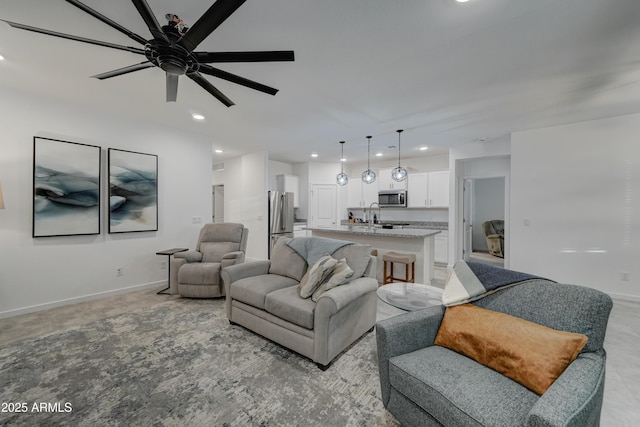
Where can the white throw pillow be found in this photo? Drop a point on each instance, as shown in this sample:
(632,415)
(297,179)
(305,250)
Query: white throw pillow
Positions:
(316,274)
(341,274)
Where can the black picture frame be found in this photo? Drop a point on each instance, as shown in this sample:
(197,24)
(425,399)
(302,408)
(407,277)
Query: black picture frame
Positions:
(66,188)
(133,191)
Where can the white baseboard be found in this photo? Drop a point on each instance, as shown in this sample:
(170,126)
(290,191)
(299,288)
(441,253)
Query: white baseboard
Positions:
(91,297)
(624,297)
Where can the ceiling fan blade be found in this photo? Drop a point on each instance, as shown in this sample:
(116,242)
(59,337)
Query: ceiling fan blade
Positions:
(208,22)
(204,83)
(108,21)
(76,38)
(124,70)
(207,69)
(150,19)
(262,56)
(172,87)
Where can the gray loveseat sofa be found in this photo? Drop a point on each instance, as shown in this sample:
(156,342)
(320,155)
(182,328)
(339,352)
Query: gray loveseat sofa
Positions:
(427,385)
(264,296)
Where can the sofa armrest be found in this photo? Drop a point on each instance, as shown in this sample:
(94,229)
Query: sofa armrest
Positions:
(335,299)
(233,273)
(189,256)
(404,334)
(231,258)
(575,398)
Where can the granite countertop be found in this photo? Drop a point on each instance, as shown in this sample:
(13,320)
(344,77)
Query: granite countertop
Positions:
(411,233)
(431,225)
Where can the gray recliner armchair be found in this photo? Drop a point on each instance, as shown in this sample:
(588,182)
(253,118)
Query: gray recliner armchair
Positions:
(494,234)
(424,384)
(196,273)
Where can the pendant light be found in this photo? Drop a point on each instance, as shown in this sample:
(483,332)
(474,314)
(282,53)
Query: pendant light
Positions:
(342,179)
(368,176)
(399,173)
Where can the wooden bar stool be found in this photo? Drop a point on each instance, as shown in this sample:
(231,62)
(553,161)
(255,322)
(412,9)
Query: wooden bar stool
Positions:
(397,257)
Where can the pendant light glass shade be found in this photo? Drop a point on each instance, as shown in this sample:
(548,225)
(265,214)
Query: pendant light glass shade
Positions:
(368,176)
(342,178)
(399,173)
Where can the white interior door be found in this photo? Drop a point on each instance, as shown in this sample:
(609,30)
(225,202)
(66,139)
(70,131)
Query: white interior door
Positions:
(467,223)
(323,205)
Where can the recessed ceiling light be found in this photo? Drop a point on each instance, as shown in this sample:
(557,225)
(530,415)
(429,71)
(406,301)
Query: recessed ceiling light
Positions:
(462,1)
(423,148)
(379,154)
(343,159)
(218,151)
(314,154)
(1,57)
(197,116)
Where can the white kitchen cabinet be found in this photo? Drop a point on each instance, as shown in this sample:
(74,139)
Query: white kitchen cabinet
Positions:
(428,190)
(438,189)
(417,196)
(385,182)
(361,195)
(441,247)
(289,184)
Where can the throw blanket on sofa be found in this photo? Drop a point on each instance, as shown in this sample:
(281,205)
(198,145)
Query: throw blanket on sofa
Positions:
(313,248)
(470,281)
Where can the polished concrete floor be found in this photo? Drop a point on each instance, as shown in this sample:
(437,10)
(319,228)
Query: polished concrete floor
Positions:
(622,387)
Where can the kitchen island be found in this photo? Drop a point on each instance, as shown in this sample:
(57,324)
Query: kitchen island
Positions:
(410,240)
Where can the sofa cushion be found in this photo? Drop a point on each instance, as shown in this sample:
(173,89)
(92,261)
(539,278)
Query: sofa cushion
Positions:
(531,354)
(200,273)
(287,262)
(253,290)
(316,274)
(287,305)
(457,390)
(357,256)
(341,274)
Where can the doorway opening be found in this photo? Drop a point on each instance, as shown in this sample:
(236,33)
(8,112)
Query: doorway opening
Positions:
(218,203)
(483,222)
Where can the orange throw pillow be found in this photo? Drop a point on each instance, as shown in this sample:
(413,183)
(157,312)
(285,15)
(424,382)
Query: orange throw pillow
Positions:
(529,353)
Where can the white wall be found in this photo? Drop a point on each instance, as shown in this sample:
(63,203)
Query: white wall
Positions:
(275,169)
(49,271)
(245,198)
(578,187)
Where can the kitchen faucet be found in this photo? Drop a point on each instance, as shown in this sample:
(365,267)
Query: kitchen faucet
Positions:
(371,222)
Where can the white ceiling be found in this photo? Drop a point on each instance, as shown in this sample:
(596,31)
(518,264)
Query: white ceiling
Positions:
(446,72)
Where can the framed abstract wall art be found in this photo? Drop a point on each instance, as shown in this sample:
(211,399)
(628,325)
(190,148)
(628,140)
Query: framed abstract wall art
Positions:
(66,188)
(133,191)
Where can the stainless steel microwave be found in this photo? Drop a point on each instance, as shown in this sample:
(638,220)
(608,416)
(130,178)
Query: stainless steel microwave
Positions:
(392,199)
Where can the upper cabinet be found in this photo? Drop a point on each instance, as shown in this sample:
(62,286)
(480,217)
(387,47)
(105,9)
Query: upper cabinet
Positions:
(361,195)
(428,190)
(289,184)
(385,182)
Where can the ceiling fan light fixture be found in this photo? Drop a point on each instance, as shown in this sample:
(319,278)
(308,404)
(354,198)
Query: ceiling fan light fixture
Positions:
(368,176)
(399,174)
(342,179)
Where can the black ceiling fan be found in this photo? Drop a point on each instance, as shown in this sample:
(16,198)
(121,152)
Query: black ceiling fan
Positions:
(172,49)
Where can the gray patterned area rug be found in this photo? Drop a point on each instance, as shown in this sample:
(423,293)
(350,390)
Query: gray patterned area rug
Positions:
(181,363)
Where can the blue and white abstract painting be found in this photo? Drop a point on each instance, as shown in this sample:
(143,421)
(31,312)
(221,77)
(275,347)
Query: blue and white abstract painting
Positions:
(133,191)
(66,188)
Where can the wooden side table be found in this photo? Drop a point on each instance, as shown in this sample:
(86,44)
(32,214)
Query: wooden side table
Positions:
(169,252)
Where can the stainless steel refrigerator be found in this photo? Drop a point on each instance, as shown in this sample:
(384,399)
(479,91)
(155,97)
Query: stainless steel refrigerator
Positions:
(280,216)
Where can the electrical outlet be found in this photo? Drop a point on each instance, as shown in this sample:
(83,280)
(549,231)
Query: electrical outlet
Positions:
(163,264)
(119,271)
(625,276)
(196,220)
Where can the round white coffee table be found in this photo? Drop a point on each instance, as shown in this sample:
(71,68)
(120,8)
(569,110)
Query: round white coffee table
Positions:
(410,296)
